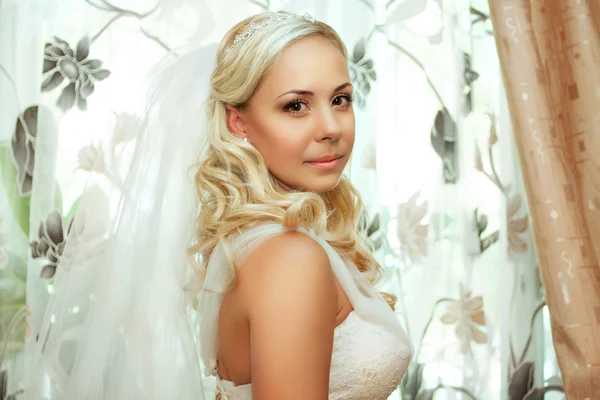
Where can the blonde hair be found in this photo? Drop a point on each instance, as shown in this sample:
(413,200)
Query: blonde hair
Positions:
(233,184)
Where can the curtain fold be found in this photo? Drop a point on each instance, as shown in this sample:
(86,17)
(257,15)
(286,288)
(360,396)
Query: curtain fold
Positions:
(550,58)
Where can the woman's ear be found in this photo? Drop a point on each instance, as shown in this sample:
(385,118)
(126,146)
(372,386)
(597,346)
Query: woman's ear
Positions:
(235,122)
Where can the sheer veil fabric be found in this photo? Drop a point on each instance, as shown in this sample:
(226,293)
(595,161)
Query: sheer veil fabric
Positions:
(116,325)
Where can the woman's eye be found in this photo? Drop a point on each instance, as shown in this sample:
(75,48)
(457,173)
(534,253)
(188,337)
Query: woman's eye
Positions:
(295,106)
(342,100)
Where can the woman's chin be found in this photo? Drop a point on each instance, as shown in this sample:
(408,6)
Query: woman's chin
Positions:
(322,184)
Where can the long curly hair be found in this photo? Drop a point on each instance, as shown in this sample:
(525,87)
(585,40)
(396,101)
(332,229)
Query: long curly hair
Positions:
(232,182)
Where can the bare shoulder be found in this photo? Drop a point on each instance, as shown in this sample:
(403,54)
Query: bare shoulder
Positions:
(285,265)
(288,255)
(290,297)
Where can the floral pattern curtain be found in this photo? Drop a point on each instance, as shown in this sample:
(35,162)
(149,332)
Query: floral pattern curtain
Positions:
(434,160)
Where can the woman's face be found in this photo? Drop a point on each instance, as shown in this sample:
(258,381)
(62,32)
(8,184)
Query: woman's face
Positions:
(300,118)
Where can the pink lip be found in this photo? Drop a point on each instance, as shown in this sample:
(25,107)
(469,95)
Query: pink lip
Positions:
(326,163)
(330,157)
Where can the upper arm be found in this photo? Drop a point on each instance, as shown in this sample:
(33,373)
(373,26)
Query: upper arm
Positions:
(288,288)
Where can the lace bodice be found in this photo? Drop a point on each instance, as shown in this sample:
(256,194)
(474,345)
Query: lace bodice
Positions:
(367,363)
(370,351)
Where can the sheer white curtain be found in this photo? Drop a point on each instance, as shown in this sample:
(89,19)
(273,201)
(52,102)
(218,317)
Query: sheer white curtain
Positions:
(434,161)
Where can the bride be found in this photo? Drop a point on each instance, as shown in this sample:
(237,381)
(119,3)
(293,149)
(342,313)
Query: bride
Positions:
(281,279)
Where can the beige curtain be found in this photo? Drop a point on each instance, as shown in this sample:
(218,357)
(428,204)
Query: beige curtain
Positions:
(550,58)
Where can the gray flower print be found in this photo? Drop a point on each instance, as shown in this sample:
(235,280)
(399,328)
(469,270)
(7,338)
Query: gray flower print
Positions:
(4,395)
(51,242)
(62,63)
(362,73)
(370,230)
(23,149)
(522,384)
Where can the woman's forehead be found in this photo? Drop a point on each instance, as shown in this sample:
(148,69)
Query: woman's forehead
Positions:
(311,63)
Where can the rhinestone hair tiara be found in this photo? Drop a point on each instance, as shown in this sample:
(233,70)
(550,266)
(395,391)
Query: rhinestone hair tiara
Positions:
(255,27)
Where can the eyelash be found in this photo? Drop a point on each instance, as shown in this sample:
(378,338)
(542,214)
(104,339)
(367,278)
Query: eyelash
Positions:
(349,98)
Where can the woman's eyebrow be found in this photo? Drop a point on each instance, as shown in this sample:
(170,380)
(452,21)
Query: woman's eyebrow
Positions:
(310,93)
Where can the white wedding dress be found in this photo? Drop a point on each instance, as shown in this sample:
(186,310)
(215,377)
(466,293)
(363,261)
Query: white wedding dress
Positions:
(371,351)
